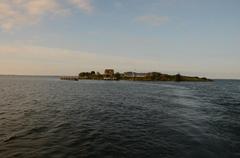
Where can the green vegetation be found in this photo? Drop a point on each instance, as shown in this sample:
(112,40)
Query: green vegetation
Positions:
(152,76)
(118,76)
(91,75)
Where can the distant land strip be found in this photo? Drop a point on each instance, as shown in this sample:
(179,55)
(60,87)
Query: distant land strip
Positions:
(109,74)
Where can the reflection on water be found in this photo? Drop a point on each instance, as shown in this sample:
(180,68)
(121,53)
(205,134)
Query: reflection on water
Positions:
(47,117)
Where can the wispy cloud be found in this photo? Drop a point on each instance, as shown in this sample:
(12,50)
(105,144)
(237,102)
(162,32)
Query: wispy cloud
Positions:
(28,59)
(84,5)
(35,60)
(153,20)
(17,13)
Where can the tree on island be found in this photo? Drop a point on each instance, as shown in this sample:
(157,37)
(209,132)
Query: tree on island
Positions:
(117,76)
(178,77)
(85,75)
(93,73)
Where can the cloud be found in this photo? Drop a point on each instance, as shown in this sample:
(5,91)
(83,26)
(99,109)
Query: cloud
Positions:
(153,20)
(17,13)
(39,7)
(35,60)
(84,5)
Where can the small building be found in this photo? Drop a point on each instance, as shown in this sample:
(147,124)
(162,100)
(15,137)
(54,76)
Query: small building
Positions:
(129,74)
(140,74)
(134,74)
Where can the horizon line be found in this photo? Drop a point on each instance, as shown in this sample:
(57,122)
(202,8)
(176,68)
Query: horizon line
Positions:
(44,75)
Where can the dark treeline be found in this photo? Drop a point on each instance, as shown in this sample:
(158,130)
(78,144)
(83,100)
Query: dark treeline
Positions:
(152,76)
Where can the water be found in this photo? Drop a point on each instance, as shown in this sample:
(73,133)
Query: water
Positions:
(46,117)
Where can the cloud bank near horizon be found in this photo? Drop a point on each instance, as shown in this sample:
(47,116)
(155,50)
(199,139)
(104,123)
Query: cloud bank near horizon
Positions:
(48,61)
(35,60)
(17,13)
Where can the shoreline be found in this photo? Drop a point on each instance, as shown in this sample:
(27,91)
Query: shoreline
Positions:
(110,75)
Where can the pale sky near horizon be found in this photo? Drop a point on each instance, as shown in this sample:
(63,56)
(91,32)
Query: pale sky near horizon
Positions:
(65,37)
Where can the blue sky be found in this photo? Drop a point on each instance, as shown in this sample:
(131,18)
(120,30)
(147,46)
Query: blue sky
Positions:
(192,37)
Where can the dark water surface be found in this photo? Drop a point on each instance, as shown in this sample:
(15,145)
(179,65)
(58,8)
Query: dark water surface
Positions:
(46,117)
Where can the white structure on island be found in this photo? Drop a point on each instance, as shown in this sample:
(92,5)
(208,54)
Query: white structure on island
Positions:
(135,74)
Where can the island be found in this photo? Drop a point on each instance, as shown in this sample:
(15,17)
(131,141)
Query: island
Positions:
(109,74)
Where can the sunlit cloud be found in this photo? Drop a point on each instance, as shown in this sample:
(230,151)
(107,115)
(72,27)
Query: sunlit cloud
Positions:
(153,20)
(18,13)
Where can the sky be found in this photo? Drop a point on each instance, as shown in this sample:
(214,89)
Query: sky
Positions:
(65,37)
